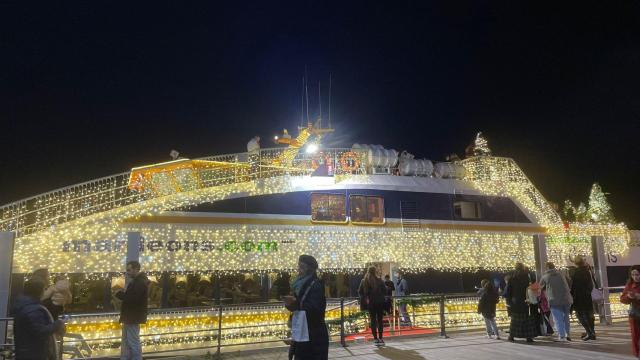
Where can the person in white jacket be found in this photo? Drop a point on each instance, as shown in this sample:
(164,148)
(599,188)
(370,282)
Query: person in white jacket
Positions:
(56,296)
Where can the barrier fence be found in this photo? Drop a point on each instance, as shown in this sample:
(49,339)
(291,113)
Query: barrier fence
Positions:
(231,327)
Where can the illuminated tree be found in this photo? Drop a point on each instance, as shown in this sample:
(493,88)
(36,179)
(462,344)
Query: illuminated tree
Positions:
(599,211)
(481,146)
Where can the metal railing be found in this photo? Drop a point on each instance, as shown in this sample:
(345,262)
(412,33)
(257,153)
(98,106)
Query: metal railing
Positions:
(6,346)
(246,326)
(43,211)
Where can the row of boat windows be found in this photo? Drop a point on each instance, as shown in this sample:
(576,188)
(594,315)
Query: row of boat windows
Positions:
(369,209)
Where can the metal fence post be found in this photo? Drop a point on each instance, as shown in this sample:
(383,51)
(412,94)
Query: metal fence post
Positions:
(219,329)
(413,313)
(443,331)
(342,340)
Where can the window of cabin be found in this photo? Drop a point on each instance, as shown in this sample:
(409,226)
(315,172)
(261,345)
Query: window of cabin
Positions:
(366,209)
(467,210)
(328,208)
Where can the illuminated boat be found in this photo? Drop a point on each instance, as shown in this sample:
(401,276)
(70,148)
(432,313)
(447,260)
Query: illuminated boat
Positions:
(229,229)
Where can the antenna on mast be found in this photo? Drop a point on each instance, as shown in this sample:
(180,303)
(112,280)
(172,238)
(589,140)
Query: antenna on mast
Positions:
(330,101)
(306,91)
(302,103)
(320,103)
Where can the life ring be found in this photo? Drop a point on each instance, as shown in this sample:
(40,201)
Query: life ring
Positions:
(349,161)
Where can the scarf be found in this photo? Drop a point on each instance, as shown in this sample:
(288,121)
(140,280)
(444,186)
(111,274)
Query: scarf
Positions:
(299,282)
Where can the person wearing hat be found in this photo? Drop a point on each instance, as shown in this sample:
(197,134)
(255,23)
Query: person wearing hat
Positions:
(308,295)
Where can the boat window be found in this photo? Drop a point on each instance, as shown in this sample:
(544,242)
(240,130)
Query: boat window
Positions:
(328,208)
(467,210)
(366,209)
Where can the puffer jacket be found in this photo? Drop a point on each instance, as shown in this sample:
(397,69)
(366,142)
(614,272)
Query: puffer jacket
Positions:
(33,330)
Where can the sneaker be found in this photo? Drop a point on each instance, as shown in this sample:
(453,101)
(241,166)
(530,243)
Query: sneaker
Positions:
(591,337)
(560,339)
(569,339)
(376,342)
(381,343)
(489,336)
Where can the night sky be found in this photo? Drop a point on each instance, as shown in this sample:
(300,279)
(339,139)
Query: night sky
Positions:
(90,89)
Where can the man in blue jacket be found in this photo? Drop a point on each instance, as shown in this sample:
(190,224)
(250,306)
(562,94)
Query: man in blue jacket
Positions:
(133,311)
(34,326)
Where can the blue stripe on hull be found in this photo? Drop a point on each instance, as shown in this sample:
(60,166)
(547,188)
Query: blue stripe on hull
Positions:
(430,206)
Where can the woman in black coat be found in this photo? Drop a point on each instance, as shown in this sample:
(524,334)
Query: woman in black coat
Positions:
(581,286)
(309,296)
(523,324)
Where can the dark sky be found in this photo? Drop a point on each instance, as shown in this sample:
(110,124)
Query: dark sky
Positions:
(89,89)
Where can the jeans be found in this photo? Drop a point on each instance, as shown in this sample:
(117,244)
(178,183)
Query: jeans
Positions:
(561,318)
(130,349)
(492,327)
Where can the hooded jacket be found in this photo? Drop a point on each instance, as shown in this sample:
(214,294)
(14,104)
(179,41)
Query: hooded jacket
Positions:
(556,287)
(33,329)
(134,301)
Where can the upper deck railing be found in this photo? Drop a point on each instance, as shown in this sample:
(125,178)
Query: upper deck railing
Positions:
(43,211)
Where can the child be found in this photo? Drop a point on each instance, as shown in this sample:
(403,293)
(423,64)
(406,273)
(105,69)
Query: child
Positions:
(545,310)
(487,307)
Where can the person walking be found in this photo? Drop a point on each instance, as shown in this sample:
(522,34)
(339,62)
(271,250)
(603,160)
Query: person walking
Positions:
(581,286)
(57,295)
(522,325)
(402,289)
(374,292)
(631,296)
(34,328)
(559,297)
(390,288)
(489,297)
(309,301)
(133,311)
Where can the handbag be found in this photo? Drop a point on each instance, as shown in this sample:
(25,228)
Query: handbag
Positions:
(596,295)
(299,325)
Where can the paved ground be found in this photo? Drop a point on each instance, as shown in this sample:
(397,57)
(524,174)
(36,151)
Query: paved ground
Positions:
(613,343)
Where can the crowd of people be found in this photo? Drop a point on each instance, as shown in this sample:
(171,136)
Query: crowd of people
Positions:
(558,293)
(535,308)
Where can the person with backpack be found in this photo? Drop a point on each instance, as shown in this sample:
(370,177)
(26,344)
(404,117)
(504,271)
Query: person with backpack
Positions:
(374,292)
(559,296)
(489,297)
